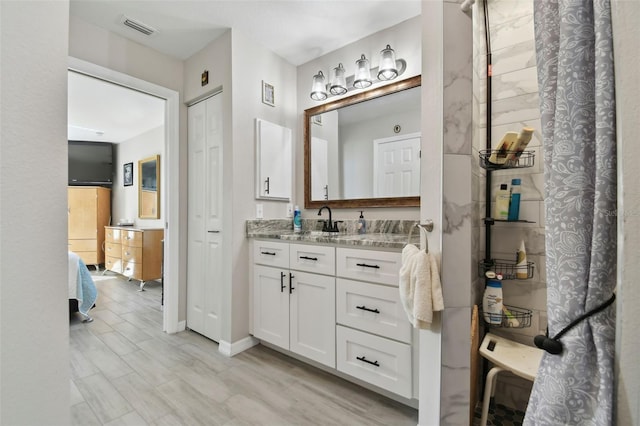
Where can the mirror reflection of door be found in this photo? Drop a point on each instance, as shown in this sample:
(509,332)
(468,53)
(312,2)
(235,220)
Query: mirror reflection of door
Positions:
(319,169)
(396,166)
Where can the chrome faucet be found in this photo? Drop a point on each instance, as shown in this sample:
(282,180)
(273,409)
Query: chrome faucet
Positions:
(328,226)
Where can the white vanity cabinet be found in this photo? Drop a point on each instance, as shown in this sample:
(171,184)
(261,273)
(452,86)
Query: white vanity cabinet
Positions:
(373,334)
(294,298)
(338,306)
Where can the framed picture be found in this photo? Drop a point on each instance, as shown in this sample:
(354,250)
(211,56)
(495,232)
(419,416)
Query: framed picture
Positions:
(267,94)
(317,119)
(128,174)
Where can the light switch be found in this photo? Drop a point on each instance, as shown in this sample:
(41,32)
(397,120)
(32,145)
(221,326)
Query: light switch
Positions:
(289,210)
(259,211)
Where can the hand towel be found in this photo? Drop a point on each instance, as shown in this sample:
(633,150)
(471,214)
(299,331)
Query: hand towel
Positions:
(420,287)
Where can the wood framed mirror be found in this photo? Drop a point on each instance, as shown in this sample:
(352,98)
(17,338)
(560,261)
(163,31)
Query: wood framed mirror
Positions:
(346,149)
(149,188)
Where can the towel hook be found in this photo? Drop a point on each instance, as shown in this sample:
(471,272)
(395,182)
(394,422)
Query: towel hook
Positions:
(427,226)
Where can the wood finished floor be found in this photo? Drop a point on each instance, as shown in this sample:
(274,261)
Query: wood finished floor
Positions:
(126,371)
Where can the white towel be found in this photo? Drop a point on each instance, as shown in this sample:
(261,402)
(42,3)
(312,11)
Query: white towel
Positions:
(420,288)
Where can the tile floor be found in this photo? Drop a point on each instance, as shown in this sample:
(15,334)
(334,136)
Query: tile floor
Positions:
(126,371)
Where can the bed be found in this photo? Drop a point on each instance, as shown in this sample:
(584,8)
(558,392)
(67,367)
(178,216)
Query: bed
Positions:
(82,289)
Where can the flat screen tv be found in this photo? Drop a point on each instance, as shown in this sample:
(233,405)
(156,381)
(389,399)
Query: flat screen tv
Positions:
(90,163)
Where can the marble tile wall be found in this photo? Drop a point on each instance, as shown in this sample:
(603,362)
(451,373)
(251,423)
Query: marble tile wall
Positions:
(515,104)
(459,211)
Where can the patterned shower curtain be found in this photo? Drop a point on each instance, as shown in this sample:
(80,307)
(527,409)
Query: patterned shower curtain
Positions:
(574,50)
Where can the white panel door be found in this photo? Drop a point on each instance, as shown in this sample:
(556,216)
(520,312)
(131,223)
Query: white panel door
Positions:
(204,255)
(271,305)
(319,169)
(396,166)
(312,317)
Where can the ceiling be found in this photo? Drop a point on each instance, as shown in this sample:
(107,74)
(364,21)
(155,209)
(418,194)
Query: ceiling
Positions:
(296,30)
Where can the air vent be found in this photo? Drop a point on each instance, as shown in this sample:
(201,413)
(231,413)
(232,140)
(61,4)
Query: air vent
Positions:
(138,26)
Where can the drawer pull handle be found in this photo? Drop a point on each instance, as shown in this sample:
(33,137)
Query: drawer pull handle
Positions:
(309,258)
(213,232)
(368,266)
(268,252)
(363,359)
(364,308)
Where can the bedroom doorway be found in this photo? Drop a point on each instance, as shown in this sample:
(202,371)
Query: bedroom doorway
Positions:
(169,201)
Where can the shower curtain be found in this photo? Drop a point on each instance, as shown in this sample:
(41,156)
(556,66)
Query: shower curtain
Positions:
(574,50)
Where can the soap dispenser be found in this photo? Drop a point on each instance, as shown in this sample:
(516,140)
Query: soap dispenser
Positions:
(362,225)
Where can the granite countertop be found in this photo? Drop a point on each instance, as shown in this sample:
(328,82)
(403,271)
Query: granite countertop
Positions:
(394,240)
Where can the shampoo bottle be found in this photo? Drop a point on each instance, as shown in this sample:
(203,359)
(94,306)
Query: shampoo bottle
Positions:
(297,220)
(522,272)
(362,224)
(501,208)
(492,302)
(514,202)
(521,144)
(502,151)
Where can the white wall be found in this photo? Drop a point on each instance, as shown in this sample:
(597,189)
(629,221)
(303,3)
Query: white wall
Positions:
(404,38)
(101,47)
(34,353)
(626,37)
(124,199)
(238,65)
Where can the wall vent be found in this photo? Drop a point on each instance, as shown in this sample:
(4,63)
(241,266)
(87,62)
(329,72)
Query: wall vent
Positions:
(138,26)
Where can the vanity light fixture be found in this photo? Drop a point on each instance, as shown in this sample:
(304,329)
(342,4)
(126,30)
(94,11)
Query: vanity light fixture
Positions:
(338,81)
(362,79)
(318,88)
(389,69)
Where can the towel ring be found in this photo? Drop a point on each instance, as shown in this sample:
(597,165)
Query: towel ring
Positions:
(427,227)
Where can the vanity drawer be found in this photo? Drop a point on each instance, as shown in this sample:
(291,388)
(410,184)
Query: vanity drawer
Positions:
(132,238)
(369,265)
(310,258)
(112,249)
(271,253)
(376,360)
(373,308)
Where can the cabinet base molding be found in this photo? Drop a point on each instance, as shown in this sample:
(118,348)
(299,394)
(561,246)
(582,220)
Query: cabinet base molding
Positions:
(413,402)
(231,349)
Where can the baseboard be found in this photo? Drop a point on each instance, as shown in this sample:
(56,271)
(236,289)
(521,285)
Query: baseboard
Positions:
(231,349)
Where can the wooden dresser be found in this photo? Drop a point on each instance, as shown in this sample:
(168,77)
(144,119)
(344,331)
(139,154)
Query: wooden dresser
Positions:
(89,210)
(133,252)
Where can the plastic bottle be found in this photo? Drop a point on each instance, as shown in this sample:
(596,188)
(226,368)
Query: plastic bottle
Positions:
(521,144)
(362,224)
(514,204)
(522,272)
(501,208)
(297,220)
(492,302)
(502,151)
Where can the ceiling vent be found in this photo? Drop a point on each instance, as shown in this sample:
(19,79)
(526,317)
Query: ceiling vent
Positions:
(138,26)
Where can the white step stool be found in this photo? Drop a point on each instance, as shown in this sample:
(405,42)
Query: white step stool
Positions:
(506,355)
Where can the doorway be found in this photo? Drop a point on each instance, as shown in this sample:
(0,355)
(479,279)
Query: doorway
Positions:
(169,202)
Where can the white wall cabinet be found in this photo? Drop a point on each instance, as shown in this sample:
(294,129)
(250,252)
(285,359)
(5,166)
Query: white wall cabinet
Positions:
(292,308)
(274,161)
(205,236)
